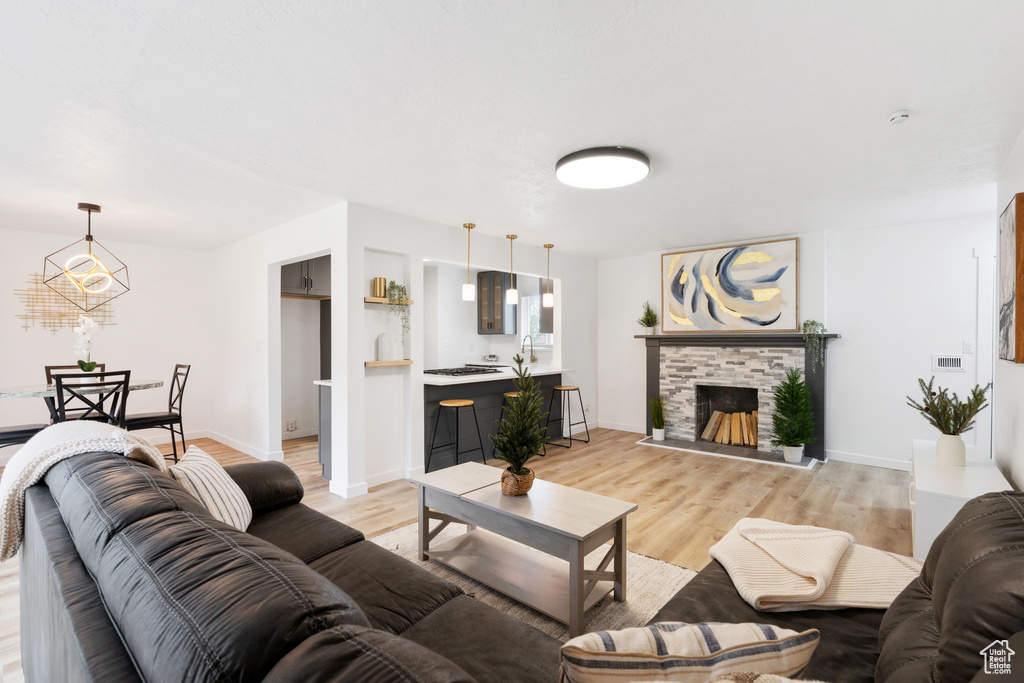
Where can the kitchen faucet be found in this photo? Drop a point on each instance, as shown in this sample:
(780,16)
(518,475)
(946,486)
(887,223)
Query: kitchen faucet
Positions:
(533,356)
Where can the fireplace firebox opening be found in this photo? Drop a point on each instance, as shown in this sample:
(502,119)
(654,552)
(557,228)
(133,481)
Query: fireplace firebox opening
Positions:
(735,412)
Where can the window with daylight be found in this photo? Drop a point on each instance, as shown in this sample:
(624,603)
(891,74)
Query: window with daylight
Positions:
(533,321)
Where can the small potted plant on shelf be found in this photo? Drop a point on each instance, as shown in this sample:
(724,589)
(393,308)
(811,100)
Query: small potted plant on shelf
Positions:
(656,404)
(648,319)
(814,340)
(398,303)
(946,412)
(520,432)
(793,419)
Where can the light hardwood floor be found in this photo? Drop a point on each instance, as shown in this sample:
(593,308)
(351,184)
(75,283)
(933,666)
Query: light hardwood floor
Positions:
(687,502)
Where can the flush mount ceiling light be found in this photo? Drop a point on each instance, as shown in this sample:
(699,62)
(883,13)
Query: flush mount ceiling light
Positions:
(511,294)
(602,168)
(87,275)
(548,300)
(468,289)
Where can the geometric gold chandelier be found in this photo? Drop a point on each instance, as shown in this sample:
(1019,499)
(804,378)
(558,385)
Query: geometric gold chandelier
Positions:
(87,275)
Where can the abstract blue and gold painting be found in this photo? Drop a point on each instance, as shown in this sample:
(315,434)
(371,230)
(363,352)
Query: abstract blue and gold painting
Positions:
(740,288)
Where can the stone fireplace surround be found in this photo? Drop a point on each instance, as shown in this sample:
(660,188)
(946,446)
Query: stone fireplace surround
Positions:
(677,364)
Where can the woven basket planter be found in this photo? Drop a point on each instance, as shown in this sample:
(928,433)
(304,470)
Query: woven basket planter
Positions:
(516,484)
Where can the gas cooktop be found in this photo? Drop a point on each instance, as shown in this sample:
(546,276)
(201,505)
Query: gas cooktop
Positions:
(462,371)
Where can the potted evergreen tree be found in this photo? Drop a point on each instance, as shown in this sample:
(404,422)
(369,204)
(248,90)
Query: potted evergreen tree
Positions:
(793,419)
(648,319)
(520,432)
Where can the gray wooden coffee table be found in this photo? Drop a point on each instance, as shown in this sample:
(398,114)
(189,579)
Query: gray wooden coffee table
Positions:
(536,552)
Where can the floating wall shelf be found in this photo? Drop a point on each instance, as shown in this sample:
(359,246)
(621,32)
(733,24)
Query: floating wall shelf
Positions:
(386,363)
(381,300)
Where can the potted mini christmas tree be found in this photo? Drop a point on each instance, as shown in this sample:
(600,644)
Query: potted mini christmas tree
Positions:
(793,419)
(520,432)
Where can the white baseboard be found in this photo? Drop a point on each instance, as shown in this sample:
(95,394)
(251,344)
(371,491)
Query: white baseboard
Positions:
(636,429)
(385,477)
(873,460)
(300,433)
(413,472)
(237,445)
(340,489)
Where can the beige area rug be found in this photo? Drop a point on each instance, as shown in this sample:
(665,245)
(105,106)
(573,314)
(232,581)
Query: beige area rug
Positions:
(650,583)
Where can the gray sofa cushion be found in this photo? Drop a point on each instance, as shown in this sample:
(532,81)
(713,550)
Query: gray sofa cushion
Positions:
(846,651)
(393,592)
(489,645)
(355,653)
(302,531)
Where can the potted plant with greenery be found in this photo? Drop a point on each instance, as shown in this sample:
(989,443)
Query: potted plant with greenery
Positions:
(656,404)
(814,340)
(946,412)
(398,303)
(648,319)
(793,419)
(520,432)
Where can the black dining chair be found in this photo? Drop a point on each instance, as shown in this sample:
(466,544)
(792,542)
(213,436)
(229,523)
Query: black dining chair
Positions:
(170,420)
(85,396)
(51,401)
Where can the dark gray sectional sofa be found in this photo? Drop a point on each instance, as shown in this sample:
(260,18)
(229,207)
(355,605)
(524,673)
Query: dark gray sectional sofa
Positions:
(126,577)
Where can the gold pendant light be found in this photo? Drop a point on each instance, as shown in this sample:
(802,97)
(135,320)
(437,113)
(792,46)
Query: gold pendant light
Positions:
(86,275)
(512,294)
(468,289)
(548,300)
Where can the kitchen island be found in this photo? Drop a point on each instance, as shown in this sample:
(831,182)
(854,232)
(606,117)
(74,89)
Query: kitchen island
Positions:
(487,392)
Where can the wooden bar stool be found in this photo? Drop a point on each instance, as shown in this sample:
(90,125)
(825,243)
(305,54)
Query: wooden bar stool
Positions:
(504,401)
(458,404)
(564,394)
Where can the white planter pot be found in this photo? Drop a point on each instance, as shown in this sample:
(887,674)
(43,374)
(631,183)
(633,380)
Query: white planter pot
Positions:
(793,453)
(658,434)
(950,451)
(648,330)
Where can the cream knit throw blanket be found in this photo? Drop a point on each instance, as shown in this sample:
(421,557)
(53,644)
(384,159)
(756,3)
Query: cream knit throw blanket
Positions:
(784,568)
(46,449)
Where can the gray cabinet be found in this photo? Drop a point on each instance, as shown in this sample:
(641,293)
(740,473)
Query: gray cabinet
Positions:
(494,316)
(311,277)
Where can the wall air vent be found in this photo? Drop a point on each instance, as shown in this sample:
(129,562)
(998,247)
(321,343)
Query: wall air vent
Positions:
(942,363)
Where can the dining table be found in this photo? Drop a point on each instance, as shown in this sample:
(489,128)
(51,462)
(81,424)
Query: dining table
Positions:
(50,390)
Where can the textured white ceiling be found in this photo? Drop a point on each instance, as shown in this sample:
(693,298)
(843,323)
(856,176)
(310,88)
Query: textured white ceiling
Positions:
(196,123)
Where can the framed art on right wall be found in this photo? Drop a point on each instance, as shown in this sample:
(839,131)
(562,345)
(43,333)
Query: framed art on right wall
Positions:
(1011,275)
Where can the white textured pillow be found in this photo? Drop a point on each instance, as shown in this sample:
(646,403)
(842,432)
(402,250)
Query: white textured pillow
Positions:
(204,478)
(676,651)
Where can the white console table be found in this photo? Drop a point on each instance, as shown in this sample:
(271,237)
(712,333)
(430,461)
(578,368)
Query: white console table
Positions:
(937,492)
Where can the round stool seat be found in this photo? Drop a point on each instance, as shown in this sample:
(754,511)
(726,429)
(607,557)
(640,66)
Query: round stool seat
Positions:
(566,388)
(457,403)
(511,394)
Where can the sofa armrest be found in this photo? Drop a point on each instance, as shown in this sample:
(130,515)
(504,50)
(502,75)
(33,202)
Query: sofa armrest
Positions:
(267,485)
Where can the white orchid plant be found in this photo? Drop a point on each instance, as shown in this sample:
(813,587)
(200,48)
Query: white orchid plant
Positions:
(83,342)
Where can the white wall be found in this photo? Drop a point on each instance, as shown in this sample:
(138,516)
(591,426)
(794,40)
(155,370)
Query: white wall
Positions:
(896,295)
(300,366)
(368,403)
(165,319)
(919,295)
(1008,398)
(419,240)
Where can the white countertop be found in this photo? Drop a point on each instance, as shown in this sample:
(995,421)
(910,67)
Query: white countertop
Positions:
(981,475)
(322,382)
(504,374)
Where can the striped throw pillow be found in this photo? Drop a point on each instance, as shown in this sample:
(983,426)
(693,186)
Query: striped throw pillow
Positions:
(204,478)
(675,651)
